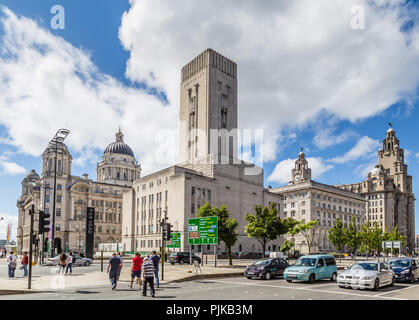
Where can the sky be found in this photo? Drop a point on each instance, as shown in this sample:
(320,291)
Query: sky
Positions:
(324,75)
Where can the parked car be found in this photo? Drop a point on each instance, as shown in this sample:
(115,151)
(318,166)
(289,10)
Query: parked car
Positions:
(311,268)
(405,269)
(78,261)
(266,268)
(182,257)
(367,275)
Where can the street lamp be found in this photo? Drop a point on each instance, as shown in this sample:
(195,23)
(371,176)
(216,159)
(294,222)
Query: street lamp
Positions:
(58,138)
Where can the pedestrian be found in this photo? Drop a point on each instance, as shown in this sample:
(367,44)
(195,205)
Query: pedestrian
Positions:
(25,262)
(11,264)
(122,261)
(113,269)
(62,263)
(69,262)
(148,276)
(156,259)
(136,269)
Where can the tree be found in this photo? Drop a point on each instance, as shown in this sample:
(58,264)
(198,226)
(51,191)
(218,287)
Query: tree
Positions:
(337,237)
(366,236)
(353,237)
(287,246)
(394,236)
(265,225)
(307,230)
(227,228)
(377,239)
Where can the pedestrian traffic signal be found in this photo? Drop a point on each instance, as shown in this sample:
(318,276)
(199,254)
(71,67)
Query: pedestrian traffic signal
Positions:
(43,222)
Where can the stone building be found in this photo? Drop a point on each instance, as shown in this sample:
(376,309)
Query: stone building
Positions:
(208,170)
(388,191)
(74,194)
(306,200)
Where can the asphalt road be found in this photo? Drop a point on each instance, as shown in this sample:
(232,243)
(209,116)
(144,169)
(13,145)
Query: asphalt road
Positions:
(238,288)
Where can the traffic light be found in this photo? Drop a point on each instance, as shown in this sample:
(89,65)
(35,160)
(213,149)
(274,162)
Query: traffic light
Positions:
(43,222)
(168,233)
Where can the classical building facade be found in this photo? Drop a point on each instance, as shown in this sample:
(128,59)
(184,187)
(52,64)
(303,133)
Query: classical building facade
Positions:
(208,170)
(115,174)
(388,191)
(306,200)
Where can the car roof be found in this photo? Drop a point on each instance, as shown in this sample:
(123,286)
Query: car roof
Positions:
(319,256)
(401,258)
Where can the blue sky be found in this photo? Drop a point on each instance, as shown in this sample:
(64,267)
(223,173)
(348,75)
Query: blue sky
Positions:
(318,84)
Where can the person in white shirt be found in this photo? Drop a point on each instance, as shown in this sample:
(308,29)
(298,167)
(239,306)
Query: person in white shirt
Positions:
(69,262)
(11,263)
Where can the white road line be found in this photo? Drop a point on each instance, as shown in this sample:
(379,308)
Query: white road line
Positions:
(396,290)
(309,289)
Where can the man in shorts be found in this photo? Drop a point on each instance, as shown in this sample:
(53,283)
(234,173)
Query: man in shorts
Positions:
(137,262)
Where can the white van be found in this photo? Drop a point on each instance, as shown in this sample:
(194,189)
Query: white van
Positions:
(280,255)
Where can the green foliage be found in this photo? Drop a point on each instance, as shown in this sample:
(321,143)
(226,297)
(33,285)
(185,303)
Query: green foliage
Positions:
(367,240)
(227,228)
(264,224)
(307,230)
(287,246)
(353,237)
(337,235)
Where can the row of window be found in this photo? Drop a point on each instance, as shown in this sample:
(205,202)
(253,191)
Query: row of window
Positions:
(150,243)
(151,184)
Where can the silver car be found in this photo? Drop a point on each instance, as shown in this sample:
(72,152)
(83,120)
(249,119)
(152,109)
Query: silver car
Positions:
(367,275)
(79,261)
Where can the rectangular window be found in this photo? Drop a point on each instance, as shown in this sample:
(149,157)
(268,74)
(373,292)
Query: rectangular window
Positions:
(57,227)
(59,187)
(209,194)
(58,212)
(58,198)
(47,198)
(199,192)
(193,191)
(99,229)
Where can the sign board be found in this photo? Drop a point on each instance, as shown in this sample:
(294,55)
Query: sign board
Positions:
(203,230)
(391,244)
(174,242)
(90,232)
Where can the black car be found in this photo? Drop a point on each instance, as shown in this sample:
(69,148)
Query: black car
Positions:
(266,268)
(182,257)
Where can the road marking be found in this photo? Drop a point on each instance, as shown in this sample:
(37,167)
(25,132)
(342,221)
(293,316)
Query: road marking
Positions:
(309,289)
(393,291)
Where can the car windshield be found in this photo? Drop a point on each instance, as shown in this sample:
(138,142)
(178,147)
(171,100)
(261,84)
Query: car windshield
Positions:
(306,262)
(364,266)
(262,262)
(400,263)
(173,255)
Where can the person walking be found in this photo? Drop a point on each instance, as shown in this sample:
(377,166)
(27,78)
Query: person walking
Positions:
(25,262)
(11,264)
(113,269)
(62,263)
(136,269)
(122,261)
(69,262)
(156,259)
(148,276)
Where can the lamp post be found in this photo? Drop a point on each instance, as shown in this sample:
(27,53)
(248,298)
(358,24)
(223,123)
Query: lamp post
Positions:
(58,138)
(45,186)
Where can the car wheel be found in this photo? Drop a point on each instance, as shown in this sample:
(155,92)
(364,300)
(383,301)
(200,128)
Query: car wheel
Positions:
(172,263)
(87,263)
(289,281)
(249,277)
(343,287)
(312,278)
(181,262)
(268,276)
(334,277)
(376,284)
(392,282)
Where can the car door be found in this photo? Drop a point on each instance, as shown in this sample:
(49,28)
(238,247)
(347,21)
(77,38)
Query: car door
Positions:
(321,269)
(275,267)
(385,274)
(282,266)
(415,269)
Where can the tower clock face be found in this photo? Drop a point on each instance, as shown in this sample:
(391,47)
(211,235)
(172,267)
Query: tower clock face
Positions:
(297,177)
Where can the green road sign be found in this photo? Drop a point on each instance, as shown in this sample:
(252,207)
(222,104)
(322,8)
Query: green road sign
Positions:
(175,241)
(203,230)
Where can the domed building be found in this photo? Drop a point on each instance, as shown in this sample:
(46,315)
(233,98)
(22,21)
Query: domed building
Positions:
(118,165)
(74,194)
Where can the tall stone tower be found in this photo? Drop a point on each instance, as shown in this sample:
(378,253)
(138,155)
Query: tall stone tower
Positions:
(301,171)
(208,107)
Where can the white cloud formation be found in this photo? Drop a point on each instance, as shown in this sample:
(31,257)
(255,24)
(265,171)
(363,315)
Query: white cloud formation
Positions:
(296,59)
(365,147)
(7,219)
(47,84)
(363,169)
(282,171)
(326,137)
(8,167)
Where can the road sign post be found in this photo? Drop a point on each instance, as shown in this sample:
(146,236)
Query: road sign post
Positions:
(204,231)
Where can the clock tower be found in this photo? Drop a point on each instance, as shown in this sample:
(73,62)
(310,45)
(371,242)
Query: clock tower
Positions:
(301,171)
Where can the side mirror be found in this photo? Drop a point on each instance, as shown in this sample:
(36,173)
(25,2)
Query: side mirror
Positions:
(346,268)
(319,265)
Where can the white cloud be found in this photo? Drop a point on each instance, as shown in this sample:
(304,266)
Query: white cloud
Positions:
(363,169)
(8,167)
(3,225)
(296,59)
(326,137)
(282,171)
(365,147)
(47,84)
